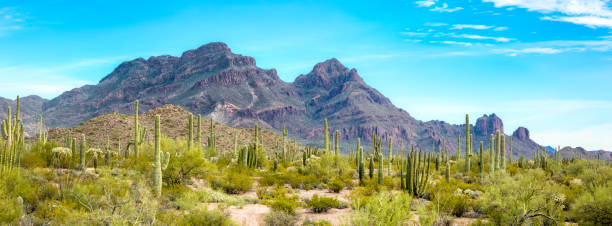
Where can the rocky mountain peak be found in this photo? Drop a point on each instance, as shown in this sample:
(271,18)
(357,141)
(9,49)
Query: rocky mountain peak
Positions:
(488,124)
(328,74)
(210,48)
(521,133)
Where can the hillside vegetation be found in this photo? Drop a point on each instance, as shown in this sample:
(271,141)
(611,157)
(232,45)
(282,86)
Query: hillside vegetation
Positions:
(108,171)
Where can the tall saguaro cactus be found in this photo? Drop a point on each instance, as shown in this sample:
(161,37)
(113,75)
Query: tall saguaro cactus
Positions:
(390,155)
(510,151)
(82,153)
(326,134)
(190,132)
(497,149)
(160,160)
(336,147)
(380,169)
(491,156)
(138,134)
(212,139)
(481,162)
(503,153)
(199,132)
(468,145)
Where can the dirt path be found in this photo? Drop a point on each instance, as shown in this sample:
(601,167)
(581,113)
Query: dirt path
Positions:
(248,215)
(333,216)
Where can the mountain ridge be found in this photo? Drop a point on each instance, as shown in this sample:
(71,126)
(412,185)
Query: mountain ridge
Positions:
(230,88)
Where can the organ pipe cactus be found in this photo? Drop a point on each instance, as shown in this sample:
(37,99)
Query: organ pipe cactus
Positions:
(417,172)
(160,160)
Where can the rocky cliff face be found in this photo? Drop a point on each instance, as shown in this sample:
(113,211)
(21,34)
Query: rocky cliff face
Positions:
(231,89)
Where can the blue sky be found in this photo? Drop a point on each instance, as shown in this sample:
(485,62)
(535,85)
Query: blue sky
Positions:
(542,64)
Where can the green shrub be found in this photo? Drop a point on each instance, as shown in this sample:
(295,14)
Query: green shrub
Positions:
(594,208)
(322,204)
(279,218)
(336,185)
(183,166)
(233,183)
(382,208)
(280,201)
(206,217)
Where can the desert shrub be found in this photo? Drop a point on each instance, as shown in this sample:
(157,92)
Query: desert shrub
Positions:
(234,182)
(279,218)
(48,191)
(336,185)
(523,199)
(594,208)
(10,210)
(192,199)
(206,217)
(183,166)
(320,204)
(382,208)
(280,201)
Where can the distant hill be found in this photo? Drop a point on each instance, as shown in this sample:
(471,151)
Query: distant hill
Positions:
(231,89)
(174,122)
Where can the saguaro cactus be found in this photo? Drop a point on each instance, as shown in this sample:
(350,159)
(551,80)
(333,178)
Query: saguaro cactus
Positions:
(160,160)
(360,165)
(390,155)
(447,173)
(510,151)
(326,134)
(139,134)
(481,162)
(497,149)
(503,153)
(380,169)
(336,147)
(371,167)
(468,145)
(190,132)
(212,138)
(82,153)
(199,132)
(491,156)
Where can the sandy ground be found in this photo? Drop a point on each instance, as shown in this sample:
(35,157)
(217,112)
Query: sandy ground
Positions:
(342,196)
(333,216)
(248,215)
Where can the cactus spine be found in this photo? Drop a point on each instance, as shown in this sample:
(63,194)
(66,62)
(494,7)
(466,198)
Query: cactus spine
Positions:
(160,160)
(326,134)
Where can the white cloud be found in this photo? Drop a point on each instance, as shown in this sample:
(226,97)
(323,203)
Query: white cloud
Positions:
(480,37)
(445,9)
(500,29)
(591,13)
(10,20)
(409,33)
(589,21)
(435,24)
(470,26)
(425,3)
(453,43)
(515,52)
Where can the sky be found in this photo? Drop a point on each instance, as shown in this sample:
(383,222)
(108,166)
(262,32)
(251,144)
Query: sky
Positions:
(542,64)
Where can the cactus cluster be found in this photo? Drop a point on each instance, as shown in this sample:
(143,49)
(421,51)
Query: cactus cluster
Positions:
(417,172)
(13,134)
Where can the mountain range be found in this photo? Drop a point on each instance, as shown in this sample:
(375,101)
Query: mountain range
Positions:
(231,89)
